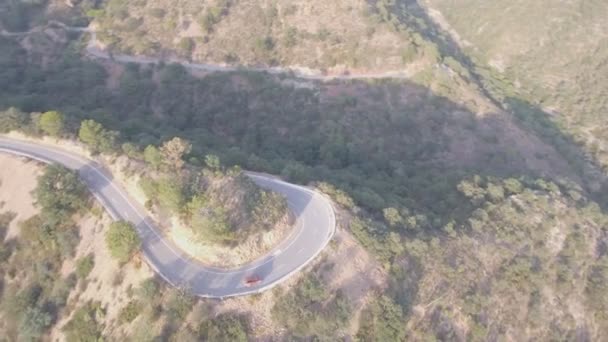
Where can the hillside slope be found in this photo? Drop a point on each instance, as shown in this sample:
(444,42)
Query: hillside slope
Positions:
(62,283)
(552,55)
(463,182)
(344,35)
(529,264)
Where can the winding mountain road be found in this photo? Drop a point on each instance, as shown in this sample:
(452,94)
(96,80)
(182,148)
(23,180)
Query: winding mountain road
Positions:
(315,225)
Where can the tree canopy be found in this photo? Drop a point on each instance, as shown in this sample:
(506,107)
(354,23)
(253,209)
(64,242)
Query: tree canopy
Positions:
(59,192)
(174,150)
(122,240)
(52,123)
(97,137)
(12,119)
(153,156)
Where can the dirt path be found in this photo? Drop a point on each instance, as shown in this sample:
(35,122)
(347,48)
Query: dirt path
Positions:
(94,50)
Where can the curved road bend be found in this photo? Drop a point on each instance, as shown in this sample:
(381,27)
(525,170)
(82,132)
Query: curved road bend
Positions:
(315,225)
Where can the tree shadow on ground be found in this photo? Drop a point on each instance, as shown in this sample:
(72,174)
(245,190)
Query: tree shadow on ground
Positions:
(589,170)
(528,115)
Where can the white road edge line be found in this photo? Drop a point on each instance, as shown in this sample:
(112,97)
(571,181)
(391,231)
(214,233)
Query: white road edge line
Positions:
(328,206)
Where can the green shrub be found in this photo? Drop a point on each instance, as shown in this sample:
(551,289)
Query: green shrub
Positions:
(337,195)
(153,156)
(291,37)
(52,123)
(97,137)
(186,46)
(597,287)
(297,173)
(84,325)
(15,301)
(122,240)
(35,320)
(84,266)
(148,290)
(132,24)
(209,221)
(131,151)
(179,303)
(12,119)
(130,312)
(376,238)
(264,44)
(61,290)
(309,310)
(170,192)
(60,192)
(224,328)
(157,12)
(268,208)
(381,321)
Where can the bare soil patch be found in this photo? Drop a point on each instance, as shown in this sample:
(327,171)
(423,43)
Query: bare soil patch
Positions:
(18,178)
(108,282)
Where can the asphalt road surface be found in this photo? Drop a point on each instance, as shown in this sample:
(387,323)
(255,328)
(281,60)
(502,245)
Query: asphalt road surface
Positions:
(315,225)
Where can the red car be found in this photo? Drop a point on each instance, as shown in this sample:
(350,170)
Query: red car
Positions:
(252,280)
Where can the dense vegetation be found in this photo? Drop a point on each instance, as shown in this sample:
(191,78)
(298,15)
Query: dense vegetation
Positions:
(487,224)
(34,293)
(311,136)
(540,63)
(153,303)
(308,310)
(18,16)
(252,33)
(84,325)
(525,243)
(219,205)
(565,75)
(382,320)
(122,240)
(36,298)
